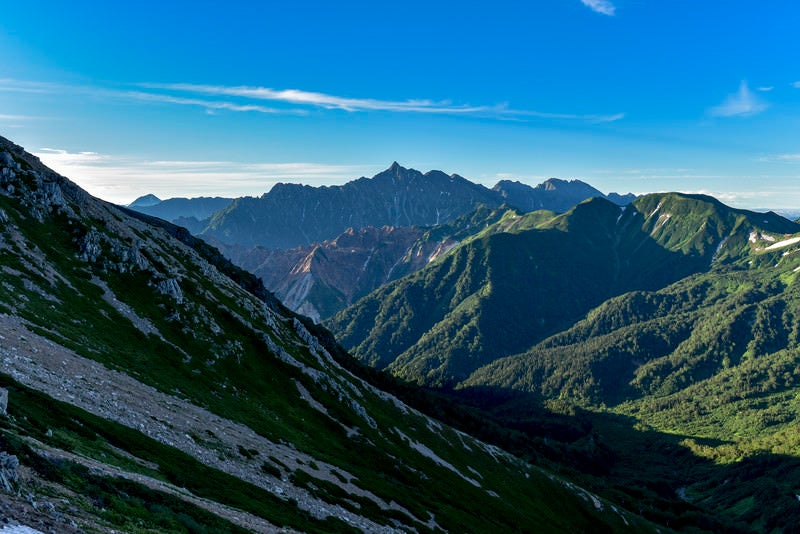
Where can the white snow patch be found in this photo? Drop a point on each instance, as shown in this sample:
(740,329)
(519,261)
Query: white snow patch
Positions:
(784,243)
(655,210)
(662,220)
(621,213)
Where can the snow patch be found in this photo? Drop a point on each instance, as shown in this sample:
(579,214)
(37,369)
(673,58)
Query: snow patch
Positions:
(621,213)
(784,243)
(655,210)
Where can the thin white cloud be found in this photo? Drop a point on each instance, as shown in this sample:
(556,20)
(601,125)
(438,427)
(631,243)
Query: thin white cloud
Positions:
(312,99)
(742,103)
(796,85)
(600,6)
(9,85)
(215,98)
(209,105)
(766,89)
(786,158)
(121,179)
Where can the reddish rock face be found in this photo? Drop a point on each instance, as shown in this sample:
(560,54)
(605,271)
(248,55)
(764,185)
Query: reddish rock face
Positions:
(321,279)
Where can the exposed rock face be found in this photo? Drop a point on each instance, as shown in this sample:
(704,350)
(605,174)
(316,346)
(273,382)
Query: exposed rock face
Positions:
(320,279)
(3,401)
(171,288)
(292,214)
(8,470)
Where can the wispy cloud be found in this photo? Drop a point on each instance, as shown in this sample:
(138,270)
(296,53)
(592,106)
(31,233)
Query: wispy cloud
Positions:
(766,89)
(121,179)
(213,98)
(311,99)
(600,6)
(796,85)
(209,105)
(743,103)
(788,157)
(17,117)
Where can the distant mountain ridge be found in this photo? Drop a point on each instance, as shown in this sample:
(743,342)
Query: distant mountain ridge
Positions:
(292,215)
(553,194)
(189,212)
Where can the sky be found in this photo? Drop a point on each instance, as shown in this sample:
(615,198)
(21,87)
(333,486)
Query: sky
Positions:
(226,99)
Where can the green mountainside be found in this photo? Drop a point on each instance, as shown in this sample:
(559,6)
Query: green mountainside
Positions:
(670,328)
(530,276)
(152,386)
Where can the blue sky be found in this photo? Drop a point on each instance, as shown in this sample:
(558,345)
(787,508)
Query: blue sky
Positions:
(210,98)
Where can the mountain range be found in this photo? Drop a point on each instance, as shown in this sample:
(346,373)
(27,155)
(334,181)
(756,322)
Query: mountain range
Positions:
(148,384)
(321,248)
(292,215)
(191,213)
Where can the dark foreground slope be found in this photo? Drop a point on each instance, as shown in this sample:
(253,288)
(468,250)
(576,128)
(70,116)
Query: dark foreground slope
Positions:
(152,386)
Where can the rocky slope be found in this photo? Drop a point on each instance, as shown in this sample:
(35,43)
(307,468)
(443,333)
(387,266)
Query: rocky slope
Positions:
(153,386)
(321,279)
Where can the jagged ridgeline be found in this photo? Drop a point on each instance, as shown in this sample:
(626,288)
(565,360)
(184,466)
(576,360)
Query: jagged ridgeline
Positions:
(153,386)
